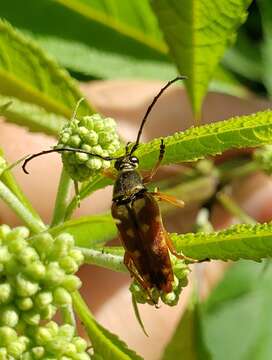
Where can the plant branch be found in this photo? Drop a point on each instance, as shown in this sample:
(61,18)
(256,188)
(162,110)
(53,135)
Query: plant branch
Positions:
(62,198)
(230,205)
(20,209)
(112,261)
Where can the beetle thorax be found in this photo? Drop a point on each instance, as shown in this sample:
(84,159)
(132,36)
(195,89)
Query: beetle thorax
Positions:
(128,184)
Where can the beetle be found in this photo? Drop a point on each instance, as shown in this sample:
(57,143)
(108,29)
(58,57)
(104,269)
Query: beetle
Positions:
(138,218)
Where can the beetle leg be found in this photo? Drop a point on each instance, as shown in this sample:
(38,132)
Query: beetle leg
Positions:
(174,252)
(128,261)
(152,173)
(167,198)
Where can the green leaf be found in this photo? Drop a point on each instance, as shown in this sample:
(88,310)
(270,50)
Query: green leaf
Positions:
(88,231)
(198,142)
(251,242)
(80,41)
(266,13)
(104,343)
(240,311)
(34,117)
(198,33)
(187,341)
(131,18)
(29,75)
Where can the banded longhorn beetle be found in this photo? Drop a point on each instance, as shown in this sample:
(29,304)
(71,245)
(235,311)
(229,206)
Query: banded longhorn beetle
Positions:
(138,218)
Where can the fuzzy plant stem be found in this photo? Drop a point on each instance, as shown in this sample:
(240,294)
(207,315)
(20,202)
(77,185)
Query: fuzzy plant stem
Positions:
(103,259)
(35,225)
(62,198)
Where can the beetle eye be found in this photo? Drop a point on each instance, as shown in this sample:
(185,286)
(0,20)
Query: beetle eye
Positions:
(134,160)
(117,164)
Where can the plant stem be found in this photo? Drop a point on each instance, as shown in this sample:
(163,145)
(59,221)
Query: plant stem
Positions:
(230,205)
(97,183)
(104,259)
(68,315)
(23,212)
(9,180)
(62,198)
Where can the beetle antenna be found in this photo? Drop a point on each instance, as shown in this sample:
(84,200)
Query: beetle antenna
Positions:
(150,107)
(31,157)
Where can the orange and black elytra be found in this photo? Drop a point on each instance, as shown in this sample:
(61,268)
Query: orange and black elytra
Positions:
(146,242)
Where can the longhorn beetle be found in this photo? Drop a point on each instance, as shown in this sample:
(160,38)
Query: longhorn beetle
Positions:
(146,242)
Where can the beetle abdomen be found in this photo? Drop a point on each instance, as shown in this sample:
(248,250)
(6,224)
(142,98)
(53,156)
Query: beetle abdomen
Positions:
(143,236)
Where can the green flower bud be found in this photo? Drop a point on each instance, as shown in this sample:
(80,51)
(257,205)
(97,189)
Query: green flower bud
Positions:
(62,245)
(49,312)
(43,299)
(38,352)
(43,336)
(169,299)
(17,245)
(53,327)
(62,297)
(54,275)
(68,264)
(9,316)
(43,243)
(4,230)
(7,335)
(31,317)
(67,331)
(80,344)
(56,346)
(77,256)
(91,133)
(24,304)
(18,232)
(35,270)
(15,349)
(71,283)
(6,293)
(25,287)
(27,255)
(70,349)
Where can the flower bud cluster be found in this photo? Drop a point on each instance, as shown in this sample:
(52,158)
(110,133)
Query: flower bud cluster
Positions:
(94,134)
(181,272)
(48,342)
(263,158)
(36,277)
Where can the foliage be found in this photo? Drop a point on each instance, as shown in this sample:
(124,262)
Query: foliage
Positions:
(37,93)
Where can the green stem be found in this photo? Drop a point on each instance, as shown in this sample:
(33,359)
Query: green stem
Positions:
(230,205)
(19,208)
(104,259)
(8,179)
(62,198)
(68,315)
(97,183)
